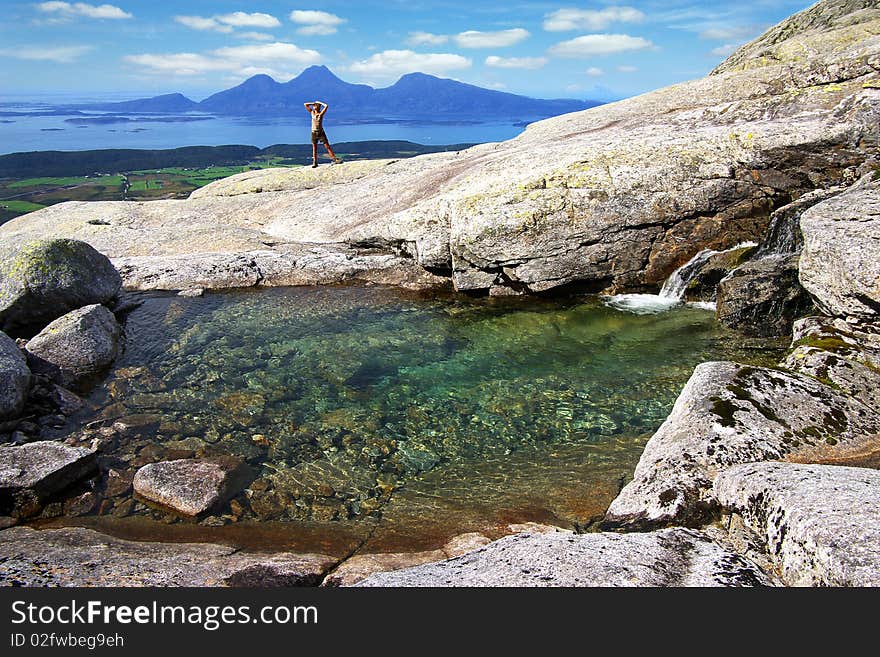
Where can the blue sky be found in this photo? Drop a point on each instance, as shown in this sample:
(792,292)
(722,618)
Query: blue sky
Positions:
(537,48)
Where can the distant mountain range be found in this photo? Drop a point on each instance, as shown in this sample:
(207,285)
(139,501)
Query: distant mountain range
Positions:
(414,96)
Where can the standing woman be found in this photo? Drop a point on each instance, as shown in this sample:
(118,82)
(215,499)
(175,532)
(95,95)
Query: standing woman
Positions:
(318,109)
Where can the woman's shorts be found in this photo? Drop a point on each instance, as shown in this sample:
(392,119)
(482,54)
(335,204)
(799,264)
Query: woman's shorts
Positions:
(319,135)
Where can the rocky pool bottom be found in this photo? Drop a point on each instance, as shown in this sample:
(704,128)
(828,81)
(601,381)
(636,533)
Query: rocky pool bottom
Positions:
(384,421)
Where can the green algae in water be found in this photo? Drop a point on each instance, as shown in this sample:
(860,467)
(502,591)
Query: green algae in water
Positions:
(350,401)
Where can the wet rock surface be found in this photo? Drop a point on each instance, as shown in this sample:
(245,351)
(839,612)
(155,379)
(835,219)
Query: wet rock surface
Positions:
(820,523)
(31,473)
(44,279)
(671,557)
(727,414)
(763,297)
(192,486)
(82,557)
(15,378)
(77,346)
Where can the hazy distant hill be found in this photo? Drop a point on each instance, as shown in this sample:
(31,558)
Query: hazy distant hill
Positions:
(416,95)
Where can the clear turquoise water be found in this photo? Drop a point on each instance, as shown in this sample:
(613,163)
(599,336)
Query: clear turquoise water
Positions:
(365,403)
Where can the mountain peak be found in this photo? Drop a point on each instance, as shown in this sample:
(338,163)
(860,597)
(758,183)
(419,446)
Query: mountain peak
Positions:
(315,74)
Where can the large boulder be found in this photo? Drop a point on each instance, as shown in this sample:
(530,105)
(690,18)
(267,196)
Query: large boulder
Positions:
(763,297)
(728,414)
(15,378)
(31,473)
(42,280)
(77,346)
(819,523)
(617,196)
(840,264)
(670,557)
(843,355)
(76,556)
(192,486)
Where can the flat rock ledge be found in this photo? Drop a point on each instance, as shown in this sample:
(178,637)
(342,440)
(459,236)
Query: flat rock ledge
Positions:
(729,414)
(287,265)
(76,556)
(191,486)
(820,523)
(33,472)
(669,557)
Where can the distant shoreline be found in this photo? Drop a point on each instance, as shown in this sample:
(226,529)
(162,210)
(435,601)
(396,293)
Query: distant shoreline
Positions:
(111,161)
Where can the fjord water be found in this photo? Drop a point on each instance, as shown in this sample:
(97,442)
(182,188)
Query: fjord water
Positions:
(422,417)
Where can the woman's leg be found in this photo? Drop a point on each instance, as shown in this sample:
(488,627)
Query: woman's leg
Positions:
(314,153)
(330,150)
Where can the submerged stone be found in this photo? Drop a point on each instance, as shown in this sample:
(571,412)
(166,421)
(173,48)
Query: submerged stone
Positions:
(192,486)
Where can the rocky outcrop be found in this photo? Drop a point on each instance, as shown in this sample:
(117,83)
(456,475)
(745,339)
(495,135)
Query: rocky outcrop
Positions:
(31,473)
(77,346)
(763,297)
(81,557)
(303,264)
(192,486)
(15,379)
(671,557)
(840,265)
(42,280)
(729,414)
(843,355)
(820,523)
(616,197)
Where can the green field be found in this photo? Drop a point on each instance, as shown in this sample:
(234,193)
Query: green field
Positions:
(132,181)
(21,207)
(47,182)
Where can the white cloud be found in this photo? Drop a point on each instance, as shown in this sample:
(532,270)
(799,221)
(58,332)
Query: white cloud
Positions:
(589,19)
(59,54)
(599,44)
(276,59)
(83,9)
(316,23)
(500,39)
(531,63)
(626,69)
(426,39)
(203,24)
(255,36)
(394,63)
(226,22)
(730,33)
(726,50)
(594,72)
(242,19)
(317,30)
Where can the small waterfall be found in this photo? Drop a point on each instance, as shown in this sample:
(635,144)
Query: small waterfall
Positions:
(674,288)
(676,285)
(783,236)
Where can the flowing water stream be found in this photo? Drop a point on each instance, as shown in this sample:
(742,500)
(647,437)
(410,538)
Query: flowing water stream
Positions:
(420,417)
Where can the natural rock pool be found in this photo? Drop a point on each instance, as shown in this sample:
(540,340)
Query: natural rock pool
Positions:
(405,419)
